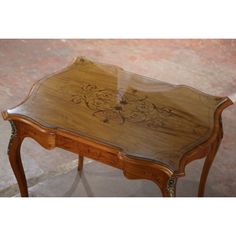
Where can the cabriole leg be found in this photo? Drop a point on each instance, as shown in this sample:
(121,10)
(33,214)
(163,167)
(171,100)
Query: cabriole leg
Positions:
(15,159)
(207,165)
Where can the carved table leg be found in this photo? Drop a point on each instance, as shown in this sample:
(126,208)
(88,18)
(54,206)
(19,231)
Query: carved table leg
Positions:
(80,163)
(207,165)
(15,159)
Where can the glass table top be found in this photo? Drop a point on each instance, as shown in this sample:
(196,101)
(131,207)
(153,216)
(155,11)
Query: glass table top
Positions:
(143,117)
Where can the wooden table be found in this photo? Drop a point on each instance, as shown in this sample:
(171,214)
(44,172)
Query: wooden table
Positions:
(147,128)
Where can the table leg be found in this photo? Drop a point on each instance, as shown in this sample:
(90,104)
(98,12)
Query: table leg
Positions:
(207,165)
(80,163)
(15,159)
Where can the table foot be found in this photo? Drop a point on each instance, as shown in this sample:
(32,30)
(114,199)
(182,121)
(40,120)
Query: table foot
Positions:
(15,159)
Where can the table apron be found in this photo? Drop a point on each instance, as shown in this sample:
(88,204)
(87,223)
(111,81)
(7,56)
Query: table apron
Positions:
(90,151)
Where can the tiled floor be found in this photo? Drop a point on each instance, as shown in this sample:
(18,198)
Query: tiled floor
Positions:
(209,65)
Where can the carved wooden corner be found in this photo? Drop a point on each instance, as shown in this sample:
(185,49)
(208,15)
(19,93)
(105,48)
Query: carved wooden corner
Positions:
(160,175)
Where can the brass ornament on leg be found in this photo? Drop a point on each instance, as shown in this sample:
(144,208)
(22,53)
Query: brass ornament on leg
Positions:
(171,186)
(13,135)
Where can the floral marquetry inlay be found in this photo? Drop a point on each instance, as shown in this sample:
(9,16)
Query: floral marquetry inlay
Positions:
(119,107)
